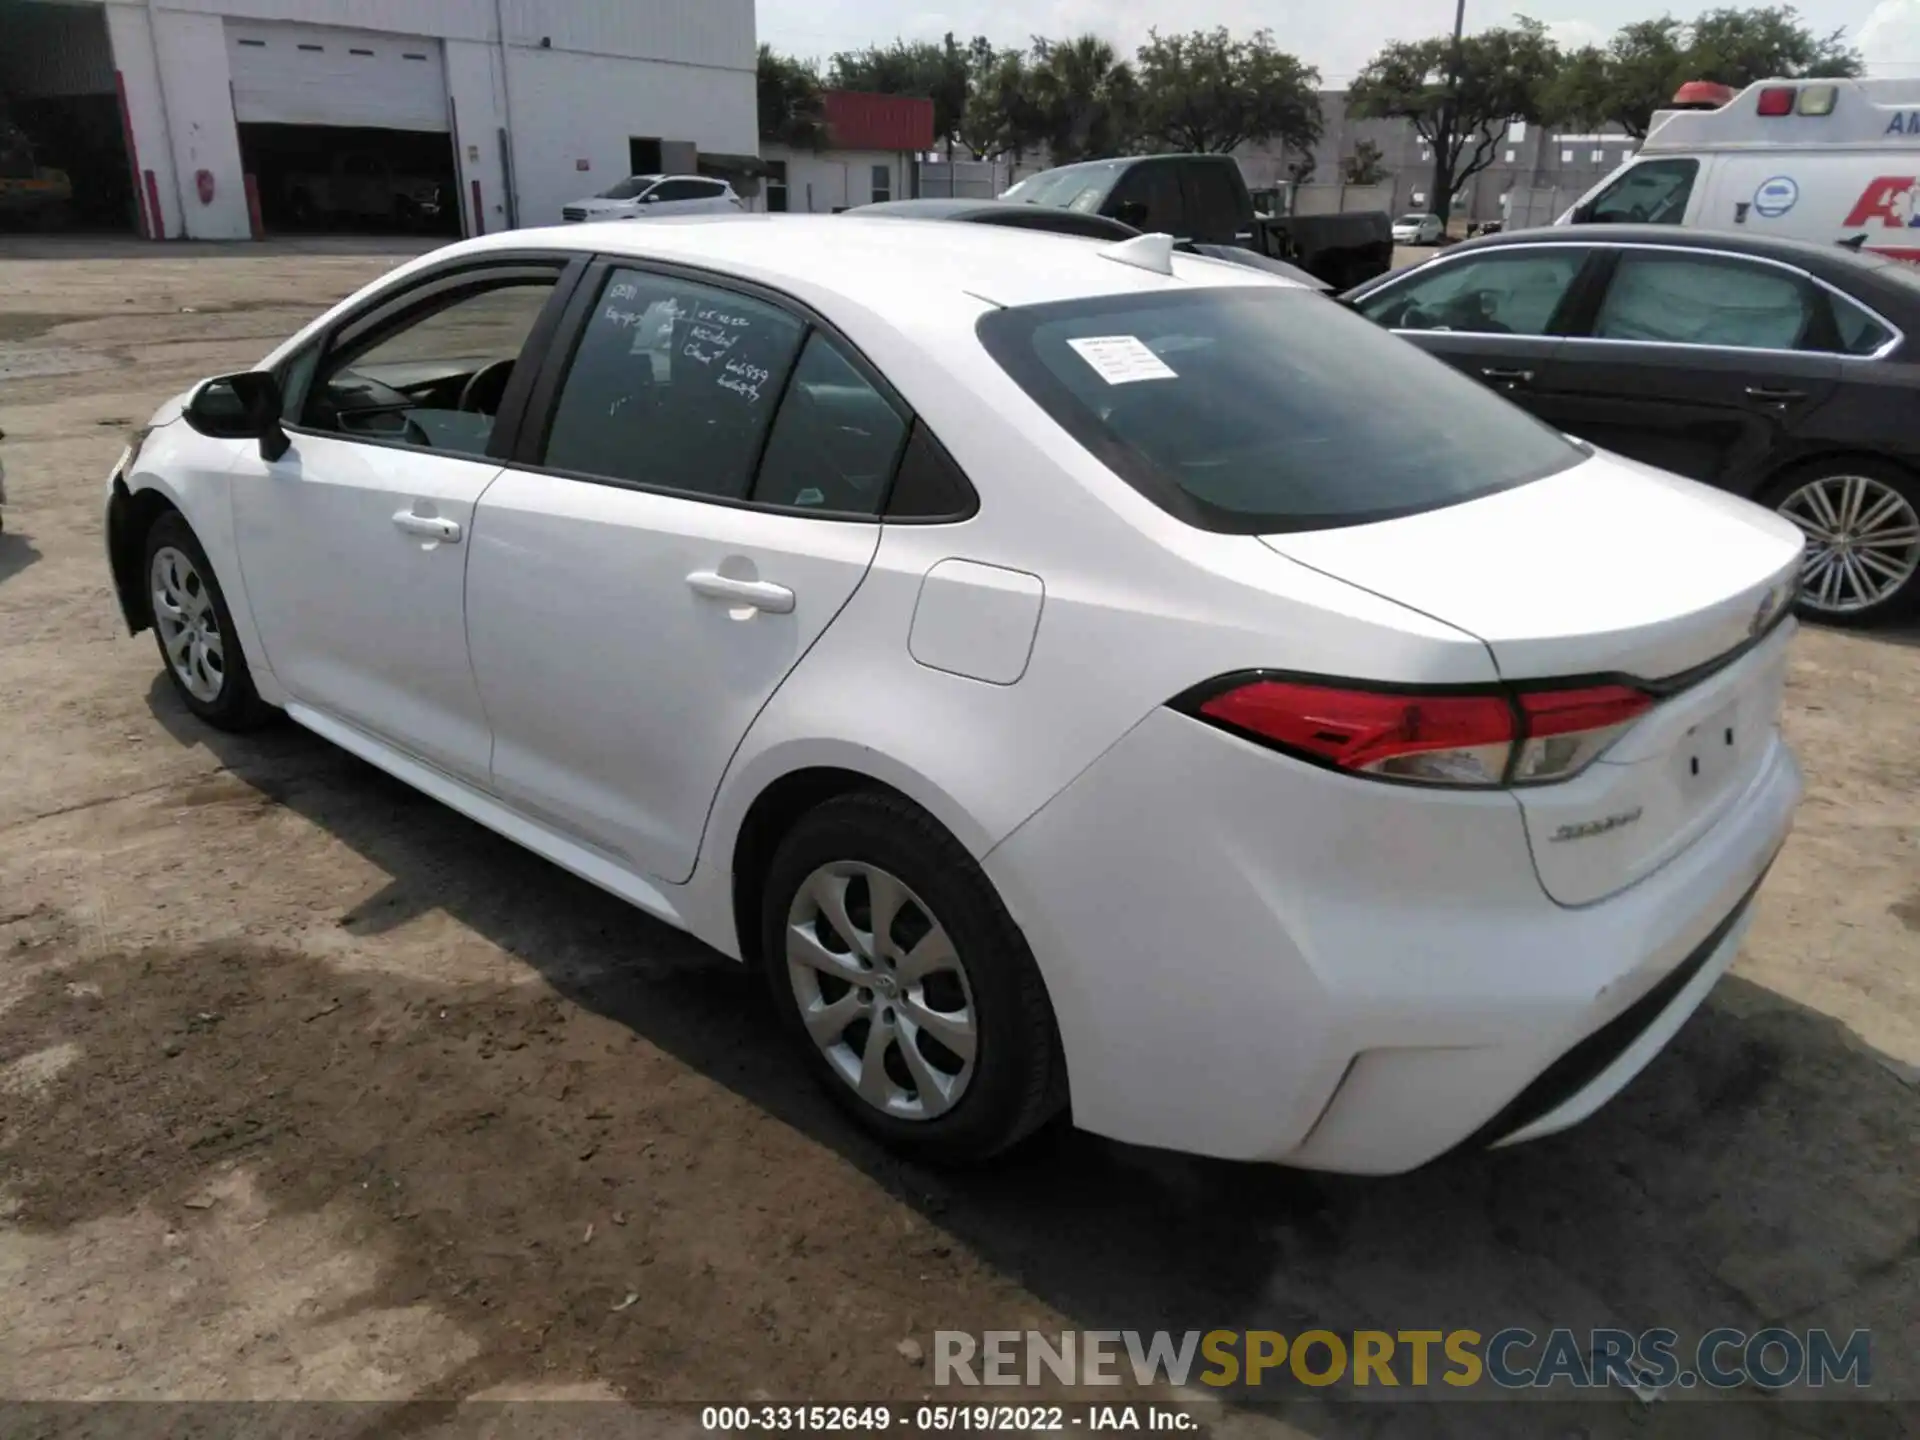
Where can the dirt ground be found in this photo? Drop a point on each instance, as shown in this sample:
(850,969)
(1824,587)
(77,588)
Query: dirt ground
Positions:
(310,1089)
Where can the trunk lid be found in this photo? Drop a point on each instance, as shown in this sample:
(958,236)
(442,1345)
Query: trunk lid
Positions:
(1611,570)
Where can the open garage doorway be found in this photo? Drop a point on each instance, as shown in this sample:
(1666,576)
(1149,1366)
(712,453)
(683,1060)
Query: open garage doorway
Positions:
(344,130)
(332,179)
(63,151)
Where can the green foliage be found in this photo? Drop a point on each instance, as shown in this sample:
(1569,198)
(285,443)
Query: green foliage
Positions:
(791,111)
(1365,166)
(1207,91)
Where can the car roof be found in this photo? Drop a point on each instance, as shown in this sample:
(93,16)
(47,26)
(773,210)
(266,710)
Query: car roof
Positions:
(1800,252)
(1004,212)
(879,263)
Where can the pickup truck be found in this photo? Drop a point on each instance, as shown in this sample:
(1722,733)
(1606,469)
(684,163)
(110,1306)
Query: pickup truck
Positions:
(1204,199)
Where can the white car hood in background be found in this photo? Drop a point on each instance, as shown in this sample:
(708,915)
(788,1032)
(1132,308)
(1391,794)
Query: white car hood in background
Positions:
(1609,567)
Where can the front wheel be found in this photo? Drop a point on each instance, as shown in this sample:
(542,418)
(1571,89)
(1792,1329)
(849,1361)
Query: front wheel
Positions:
(905,984)
(1862,523)
(194,628)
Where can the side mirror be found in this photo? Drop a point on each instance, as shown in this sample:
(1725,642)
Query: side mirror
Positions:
(240,407)
(649,199)
(1583,214)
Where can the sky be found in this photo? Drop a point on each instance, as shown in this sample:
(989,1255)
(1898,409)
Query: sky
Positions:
(1336,35)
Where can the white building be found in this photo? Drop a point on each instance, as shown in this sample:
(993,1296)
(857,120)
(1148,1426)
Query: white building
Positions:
(511,107)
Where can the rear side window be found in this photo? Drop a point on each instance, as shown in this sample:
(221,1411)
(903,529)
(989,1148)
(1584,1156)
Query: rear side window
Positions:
(836,440)
(1267,409)
(1703,300)
(1860,333)
(674,385)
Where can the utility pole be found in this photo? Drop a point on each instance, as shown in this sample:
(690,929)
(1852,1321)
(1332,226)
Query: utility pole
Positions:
(1439,196)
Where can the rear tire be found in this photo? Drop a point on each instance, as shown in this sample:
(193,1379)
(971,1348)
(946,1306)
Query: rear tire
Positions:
(932,1028)
(1861,518)
(194,630)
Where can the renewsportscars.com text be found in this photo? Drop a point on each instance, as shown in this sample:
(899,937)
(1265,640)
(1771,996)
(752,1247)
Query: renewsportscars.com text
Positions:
(1512,1358)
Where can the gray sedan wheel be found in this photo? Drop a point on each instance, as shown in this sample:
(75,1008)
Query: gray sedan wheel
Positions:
(1862,523)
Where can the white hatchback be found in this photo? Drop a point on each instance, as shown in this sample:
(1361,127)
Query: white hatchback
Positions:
(1082,678)
(648,197)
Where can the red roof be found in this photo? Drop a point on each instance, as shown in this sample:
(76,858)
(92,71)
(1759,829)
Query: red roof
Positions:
(857,121)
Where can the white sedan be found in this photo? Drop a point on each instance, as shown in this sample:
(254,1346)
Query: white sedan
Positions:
(1083,678)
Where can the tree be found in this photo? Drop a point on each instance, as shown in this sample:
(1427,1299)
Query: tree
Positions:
(936,72)
(1502,75)
(1365,166)
(791,111)
(1003,116)
(1209,92)
(1085,97)
(1637,72)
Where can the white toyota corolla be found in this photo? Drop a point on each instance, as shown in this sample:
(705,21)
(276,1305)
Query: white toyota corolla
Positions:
(1081,677)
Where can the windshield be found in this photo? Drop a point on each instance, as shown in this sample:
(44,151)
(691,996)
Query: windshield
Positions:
(628,189)
(1410,219)
(1061,187)
(1259,410)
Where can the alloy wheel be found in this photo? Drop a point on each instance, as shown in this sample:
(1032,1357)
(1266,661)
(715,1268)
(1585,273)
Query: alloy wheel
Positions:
(189,626)
(1863,542)
(881,990)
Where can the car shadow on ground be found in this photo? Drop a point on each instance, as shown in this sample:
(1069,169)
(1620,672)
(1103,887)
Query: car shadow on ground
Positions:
(1762,1171)
(17,552)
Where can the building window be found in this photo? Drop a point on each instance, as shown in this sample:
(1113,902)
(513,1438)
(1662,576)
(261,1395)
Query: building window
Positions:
(1517,130)
(1510,155)
(1598,156)
(776,187)
(882,183)
(1566,157)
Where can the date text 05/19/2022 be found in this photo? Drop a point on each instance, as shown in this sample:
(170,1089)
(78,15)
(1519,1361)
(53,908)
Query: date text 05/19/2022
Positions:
(741,1419)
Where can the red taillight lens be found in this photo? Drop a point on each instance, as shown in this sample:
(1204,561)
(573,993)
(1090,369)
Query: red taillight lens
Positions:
(1566,729)
(1434,738)
(1777,100)
(1445,739)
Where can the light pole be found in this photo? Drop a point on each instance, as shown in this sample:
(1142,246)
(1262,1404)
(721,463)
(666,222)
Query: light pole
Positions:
(1439,196)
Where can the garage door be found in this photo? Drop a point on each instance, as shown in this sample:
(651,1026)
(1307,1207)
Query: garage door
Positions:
(313,75)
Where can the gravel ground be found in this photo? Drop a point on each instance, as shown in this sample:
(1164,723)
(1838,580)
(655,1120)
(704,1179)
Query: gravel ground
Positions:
(311,1089)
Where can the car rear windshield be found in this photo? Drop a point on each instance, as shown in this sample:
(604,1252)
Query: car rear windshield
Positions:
(1258,410)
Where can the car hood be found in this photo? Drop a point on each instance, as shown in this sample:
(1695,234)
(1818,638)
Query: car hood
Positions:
(1608,567)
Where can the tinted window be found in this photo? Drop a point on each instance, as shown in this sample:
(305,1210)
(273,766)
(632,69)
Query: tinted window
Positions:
(1493,294)
(437,379)
(1860,333)
(1654,193)
(627,189)
(1266,409)
(672,385)
(1157,189)
(1214,202)
(1703,300)
(835,440)
(681,190)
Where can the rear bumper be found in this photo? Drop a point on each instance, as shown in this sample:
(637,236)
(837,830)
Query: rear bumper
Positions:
(1259,960)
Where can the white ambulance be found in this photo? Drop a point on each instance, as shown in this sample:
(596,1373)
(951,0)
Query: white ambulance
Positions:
(1836,161)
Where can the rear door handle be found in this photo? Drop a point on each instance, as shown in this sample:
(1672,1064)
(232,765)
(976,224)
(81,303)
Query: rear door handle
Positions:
(1770,395)
(1500,376)
(760,594)
(431,526)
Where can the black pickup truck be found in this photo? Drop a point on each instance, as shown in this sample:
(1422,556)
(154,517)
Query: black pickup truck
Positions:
(1204,199)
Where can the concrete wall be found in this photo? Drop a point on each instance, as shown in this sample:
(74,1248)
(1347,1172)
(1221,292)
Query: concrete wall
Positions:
(829,180)
(572,82)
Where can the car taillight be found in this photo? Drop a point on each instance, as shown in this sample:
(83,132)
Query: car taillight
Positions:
(1483,738)
(1776,100)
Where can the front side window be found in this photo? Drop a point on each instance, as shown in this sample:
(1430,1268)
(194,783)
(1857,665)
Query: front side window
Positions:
(630,188)
(1261,410)
(673,385)
(1653,193)
(1679,299)
(434,378)
(1498,293)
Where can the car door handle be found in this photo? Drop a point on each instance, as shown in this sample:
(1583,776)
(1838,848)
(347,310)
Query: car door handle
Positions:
(1506,377)
(1772,395)
(431,526)
(760,594)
